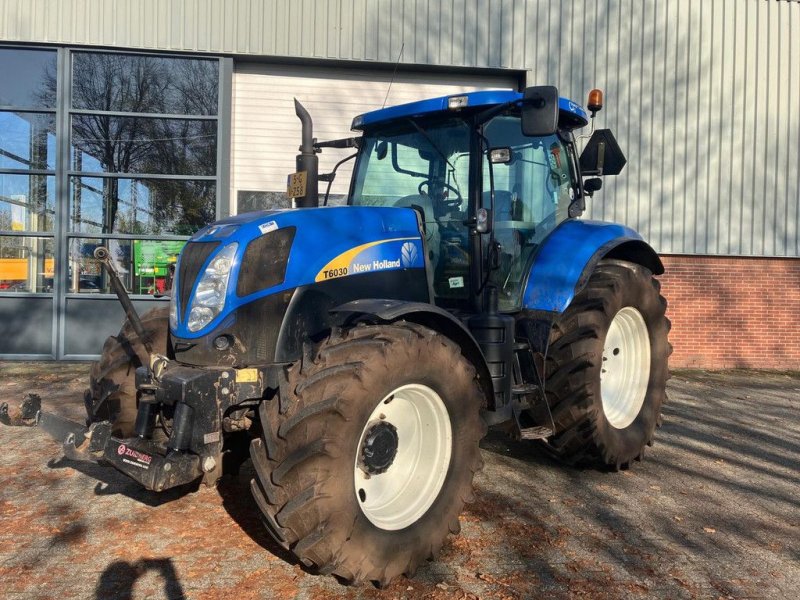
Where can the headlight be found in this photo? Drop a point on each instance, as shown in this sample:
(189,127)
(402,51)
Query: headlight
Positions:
(211,290)
(173,296)
(173,307)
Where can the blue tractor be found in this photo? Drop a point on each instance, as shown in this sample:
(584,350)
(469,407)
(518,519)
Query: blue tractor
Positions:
(360,351)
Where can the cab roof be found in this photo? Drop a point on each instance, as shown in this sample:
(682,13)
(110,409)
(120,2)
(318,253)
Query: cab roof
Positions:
(572,115)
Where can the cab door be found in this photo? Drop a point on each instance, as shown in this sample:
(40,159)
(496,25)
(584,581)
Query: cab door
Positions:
(533,192)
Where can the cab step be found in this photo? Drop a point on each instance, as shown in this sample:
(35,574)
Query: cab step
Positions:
(535,433)
(524,389)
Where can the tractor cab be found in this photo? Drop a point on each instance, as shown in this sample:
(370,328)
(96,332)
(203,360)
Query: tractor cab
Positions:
(487,193)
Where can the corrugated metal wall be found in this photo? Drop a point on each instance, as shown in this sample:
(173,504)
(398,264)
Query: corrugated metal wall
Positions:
(705,100)
(704,95)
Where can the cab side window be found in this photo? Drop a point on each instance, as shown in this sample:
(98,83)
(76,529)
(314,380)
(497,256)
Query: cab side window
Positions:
(533,191)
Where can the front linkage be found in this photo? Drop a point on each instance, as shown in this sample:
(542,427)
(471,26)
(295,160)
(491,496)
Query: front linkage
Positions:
(201,403)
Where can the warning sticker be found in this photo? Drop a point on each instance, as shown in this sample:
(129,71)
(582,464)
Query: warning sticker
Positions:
(268,226)
(456,282)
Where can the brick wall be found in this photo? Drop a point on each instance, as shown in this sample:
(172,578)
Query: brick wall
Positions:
(733,312)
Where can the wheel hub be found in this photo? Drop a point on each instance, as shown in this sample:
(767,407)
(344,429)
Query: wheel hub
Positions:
(402,457)
(379,448)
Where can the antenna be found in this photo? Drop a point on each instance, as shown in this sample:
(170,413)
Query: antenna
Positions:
(391,81)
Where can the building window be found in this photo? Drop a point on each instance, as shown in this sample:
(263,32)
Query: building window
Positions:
(136,83)
(100,149)
(140,206)
(142,164)
(27,170)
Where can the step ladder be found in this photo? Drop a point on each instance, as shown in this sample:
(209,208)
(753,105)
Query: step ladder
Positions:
(528,396)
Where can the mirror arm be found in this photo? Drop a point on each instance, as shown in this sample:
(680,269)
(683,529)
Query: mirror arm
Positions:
(329,177)
(351,142)
(486,115)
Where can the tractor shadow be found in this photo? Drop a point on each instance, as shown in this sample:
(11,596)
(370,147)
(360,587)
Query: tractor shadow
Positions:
(237,500)
(501,443)
(721,483)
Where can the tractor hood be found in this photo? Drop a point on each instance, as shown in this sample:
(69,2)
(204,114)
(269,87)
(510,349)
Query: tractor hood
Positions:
(269,252)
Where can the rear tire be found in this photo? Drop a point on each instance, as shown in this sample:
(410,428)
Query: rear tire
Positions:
(111,395)
(607,367)
(332,425)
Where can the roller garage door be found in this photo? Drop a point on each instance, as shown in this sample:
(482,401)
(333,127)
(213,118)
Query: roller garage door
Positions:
(266,132)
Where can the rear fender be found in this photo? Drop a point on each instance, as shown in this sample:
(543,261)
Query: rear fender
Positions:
(428,315)
(569,255)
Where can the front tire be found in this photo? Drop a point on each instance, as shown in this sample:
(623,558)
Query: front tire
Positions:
(368,454)
(111,395)
(607,367)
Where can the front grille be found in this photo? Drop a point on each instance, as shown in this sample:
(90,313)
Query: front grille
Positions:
(264,262)
(193,256)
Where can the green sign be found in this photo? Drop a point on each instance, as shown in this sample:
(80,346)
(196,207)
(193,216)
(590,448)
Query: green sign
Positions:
(152,258)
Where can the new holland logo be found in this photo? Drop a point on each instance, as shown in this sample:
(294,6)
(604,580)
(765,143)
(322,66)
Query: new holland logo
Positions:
(408,254)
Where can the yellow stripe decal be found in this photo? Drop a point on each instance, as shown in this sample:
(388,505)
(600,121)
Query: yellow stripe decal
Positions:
(339,266)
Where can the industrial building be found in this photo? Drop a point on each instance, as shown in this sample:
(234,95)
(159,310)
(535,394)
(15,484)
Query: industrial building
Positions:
(132,123)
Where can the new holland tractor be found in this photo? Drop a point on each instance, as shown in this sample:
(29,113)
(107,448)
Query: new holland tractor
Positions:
(362,350)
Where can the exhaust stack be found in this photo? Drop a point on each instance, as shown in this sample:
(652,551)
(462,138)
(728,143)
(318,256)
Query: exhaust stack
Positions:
(307,161)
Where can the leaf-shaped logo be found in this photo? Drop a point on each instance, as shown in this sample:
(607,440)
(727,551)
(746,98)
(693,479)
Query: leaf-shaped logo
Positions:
(409,254)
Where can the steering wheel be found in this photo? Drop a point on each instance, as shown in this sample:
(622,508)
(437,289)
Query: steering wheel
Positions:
(450,203)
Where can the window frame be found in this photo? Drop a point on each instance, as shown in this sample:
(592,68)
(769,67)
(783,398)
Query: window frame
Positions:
(26,233)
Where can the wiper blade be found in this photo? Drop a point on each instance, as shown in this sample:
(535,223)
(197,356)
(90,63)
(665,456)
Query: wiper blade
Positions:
(427,136)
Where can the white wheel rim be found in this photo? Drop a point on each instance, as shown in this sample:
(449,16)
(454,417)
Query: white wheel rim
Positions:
(625,371)
(399,496)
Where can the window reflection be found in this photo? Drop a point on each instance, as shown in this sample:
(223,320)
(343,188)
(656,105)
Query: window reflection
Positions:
(135,145)
(144,84)
(28,78)
(141,206)
(143,265)
(26,264)
(27,141)
(27,202)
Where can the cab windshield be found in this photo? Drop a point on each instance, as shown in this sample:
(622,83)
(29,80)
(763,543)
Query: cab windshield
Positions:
(425,167)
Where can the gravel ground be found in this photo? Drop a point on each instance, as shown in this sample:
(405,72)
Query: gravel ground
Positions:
(713,512)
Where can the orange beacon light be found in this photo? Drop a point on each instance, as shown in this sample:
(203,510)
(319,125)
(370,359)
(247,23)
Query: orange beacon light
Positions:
(595,102)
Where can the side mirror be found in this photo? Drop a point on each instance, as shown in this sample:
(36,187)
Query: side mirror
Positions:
(602,155)
(381,149)
(590,186)
(540,110)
